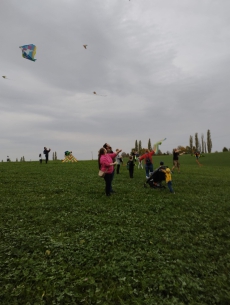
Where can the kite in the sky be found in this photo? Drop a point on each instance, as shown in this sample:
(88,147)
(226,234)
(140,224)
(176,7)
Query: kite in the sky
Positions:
(98,94)
(156,145)
(5,77)
(29,51)
(85,46)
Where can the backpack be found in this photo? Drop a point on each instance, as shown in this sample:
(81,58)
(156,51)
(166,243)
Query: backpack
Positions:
(148,161)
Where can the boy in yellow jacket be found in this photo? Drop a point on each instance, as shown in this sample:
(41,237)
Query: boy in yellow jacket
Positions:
(168,179)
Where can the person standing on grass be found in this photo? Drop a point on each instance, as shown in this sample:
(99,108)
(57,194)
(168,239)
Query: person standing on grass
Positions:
(168,179)
(40,158)
(148,161)
(118,161)
(197,156)
(46,153)
(131,165)
(176,154)
(110,151)
(106,164)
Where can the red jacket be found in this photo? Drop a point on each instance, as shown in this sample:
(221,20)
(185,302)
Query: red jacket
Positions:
(147,155)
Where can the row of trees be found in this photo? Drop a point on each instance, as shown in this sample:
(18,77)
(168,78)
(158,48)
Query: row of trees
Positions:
(200,145)
(54,155)
(195,144)
(139,149)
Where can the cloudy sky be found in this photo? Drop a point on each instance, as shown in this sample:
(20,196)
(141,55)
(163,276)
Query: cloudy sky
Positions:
(160,69)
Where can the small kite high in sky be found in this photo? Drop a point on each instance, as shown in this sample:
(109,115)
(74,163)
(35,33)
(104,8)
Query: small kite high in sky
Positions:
(85,46)
(29,51)
(94,92)
(5,77)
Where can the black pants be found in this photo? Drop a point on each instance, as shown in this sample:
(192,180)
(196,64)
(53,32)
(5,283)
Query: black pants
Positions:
(108,181)
(131,173)
(118,168)
(47,158)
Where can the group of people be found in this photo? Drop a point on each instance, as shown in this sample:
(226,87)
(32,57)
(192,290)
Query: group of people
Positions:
(107,159)
(46,153)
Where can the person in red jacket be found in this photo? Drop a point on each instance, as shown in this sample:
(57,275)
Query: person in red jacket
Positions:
(148,161)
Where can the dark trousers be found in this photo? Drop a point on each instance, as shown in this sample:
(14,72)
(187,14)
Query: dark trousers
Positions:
(108,180)
(111,188)
(118,168)
(170,187)
(131,172)
(47,158)
(40,161)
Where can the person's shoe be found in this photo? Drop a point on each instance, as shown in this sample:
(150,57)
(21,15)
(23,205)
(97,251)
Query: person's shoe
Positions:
(108,194)
(147,177)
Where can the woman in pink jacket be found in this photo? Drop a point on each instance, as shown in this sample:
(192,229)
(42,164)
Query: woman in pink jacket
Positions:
(105,163)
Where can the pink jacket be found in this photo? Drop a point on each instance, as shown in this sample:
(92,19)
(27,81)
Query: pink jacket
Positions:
(105,162)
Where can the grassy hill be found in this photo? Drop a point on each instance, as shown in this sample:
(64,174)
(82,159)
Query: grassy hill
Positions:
(64,242)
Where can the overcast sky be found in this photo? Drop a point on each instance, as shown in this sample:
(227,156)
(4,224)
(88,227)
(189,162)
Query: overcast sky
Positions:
(161,68)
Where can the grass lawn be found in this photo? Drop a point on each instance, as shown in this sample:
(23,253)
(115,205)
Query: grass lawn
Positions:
(62,241)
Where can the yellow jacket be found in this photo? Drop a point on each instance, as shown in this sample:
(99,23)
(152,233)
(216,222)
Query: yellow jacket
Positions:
(168,176)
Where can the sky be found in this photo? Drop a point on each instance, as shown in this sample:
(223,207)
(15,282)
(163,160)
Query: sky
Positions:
(160,70)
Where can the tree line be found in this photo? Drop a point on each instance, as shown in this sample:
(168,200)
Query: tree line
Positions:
(195,144)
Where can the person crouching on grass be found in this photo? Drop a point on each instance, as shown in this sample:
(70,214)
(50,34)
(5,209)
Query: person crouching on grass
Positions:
(168,179)
(106,164)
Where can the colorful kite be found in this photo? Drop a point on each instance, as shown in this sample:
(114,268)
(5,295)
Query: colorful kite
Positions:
(29,51)
(98,94)
(156,145)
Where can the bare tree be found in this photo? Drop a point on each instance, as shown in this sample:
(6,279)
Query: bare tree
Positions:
(136,146)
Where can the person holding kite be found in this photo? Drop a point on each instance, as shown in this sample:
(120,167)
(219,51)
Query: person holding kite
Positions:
(148,161)
(176,154)
(106,164)
(148,157)
(46,153)
(197,156)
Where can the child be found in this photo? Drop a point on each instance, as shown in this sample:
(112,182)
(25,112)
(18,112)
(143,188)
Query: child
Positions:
(130,166)
(40,158)
(168,179)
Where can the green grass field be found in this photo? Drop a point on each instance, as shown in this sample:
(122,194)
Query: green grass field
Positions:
(64,242)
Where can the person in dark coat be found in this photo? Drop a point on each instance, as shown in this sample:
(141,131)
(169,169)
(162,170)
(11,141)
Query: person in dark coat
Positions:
(46,153)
